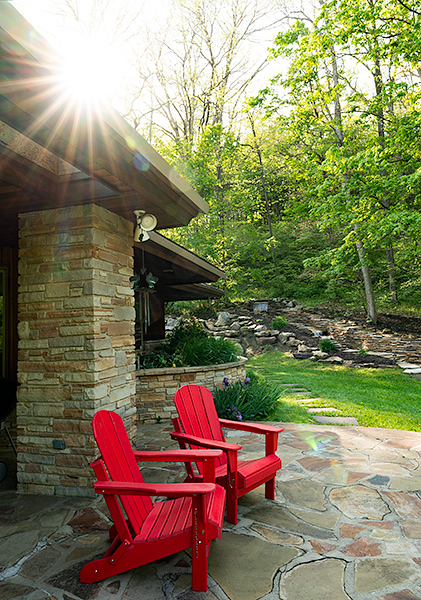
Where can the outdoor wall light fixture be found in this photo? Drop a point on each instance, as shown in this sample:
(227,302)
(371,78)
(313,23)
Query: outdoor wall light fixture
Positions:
(144,223)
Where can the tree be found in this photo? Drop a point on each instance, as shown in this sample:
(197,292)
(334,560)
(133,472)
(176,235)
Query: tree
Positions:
(197,67)
(348,133)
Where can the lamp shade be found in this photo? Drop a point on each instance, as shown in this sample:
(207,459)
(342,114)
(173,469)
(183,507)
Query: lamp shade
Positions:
(148,222)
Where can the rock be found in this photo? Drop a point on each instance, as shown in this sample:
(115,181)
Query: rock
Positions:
(334,359)
(318,579)
(303,348)
(266,341)
(171,323)
(223,319)
(318,354)
(265,333)
(260,328)
(209,324)
(359,502)
(235,326)
(239,348)
(284,336)
(292,342)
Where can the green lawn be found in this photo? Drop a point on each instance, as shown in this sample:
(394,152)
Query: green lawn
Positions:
(375,397)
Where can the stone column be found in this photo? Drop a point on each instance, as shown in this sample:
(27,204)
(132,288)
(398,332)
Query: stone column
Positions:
(76,348)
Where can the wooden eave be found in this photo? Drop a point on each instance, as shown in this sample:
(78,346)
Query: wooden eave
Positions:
(195,291)
(173,264)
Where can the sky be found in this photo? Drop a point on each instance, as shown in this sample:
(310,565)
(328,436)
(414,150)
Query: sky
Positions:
(99,50)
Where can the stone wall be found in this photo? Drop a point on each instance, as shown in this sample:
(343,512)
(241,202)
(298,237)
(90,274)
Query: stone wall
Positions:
(156,387)
(76,348)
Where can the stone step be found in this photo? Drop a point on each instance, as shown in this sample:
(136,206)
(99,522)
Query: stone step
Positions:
(336,420)
(308,400)
(294,385)
(321,409)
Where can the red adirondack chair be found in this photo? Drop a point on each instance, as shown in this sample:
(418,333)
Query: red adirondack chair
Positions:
(144,530)
(198,425)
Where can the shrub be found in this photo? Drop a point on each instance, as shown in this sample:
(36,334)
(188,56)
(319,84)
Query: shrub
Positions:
(254,399)
(327,346)
(279,323)
(188,345)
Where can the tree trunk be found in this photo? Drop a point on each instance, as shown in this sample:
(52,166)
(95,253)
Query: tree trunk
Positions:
(390,256)
(368,286)
(340,140)
(264,188)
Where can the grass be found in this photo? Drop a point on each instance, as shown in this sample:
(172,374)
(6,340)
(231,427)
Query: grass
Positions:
(385,398)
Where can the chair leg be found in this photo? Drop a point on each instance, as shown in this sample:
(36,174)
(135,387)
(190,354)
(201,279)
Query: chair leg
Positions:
(200,569)
(270,489)
(200,545)
(232,505)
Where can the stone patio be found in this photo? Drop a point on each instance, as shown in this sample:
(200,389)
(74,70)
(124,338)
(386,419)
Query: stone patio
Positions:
(346,524)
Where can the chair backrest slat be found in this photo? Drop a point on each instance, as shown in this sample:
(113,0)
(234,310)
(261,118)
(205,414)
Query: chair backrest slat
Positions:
(198,416)
(117,453)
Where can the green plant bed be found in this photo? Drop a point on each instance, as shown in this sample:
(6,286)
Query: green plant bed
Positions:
(256,399)
(385,398)
(188,345)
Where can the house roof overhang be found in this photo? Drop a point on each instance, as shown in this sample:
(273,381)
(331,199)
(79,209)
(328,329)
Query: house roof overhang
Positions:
(196,291)
(55,152)
(176,266)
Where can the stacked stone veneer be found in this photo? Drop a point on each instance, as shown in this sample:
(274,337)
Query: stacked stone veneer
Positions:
(156,387)
(76,347)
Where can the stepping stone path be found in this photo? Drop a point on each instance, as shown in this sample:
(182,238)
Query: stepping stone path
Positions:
(334,419)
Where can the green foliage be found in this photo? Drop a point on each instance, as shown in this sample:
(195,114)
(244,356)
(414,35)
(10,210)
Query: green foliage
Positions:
(331,162)
(279,323)
(327,346)
(189,345)
(208,351)
(255,399)
(202,309)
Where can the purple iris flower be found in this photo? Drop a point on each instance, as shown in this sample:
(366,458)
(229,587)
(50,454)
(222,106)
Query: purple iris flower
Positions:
(247,381)
(225,381)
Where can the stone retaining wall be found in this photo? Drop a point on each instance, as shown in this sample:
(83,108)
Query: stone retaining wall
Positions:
(156,387)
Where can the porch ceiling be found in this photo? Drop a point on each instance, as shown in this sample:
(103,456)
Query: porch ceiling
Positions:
(175,265)
(55,153)
(196,291)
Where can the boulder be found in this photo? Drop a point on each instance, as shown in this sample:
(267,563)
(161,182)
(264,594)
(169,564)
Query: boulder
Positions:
(265,333)
(292,342)
(284,336)
(260,328)
(171,323)
(235,326)
(319,354)
(303,348)
(334,359)
(266,341)
(223,319)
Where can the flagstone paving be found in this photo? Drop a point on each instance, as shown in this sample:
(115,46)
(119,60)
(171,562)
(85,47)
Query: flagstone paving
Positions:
(345,525)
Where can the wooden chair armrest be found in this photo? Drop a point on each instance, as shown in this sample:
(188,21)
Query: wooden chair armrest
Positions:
(192,439)
(176,455)
(171,490)
(252,427)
